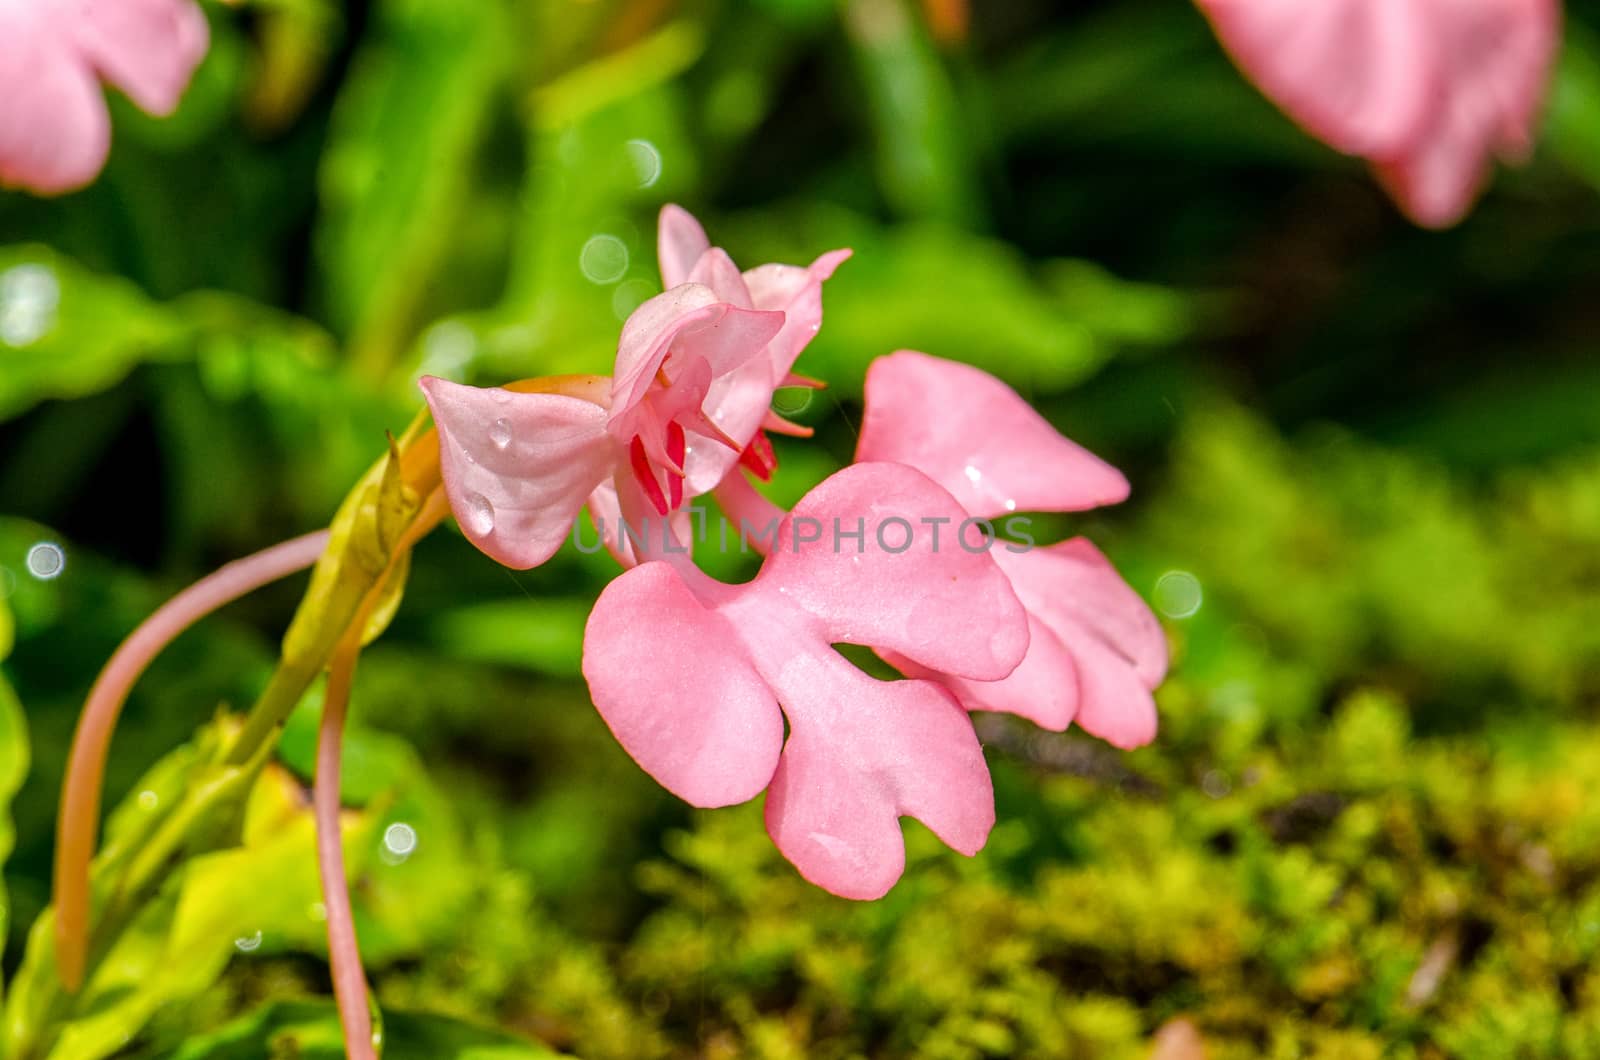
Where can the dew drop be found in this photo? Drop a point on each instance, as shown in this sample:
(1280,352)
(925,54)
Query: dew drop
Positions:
(478,514)
(248,943)
(500,433)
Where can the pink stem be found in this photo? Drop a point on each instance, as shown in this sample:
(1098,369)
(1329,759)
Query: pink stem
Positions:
(344,953)
(80,795)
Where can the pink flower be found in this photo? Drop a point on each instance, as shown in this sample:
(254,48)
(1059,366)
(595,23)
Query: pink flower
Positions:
(695,677)
(55,131)
(1095,651)
(740,402)
(695,372)
(1427,90)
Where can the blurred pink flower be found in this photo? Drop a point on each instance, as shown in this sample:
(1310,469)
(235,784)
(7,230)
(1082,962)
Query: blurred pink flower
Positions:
(695,372)
(1429,91)
(1095,651)
(55,131)
(695,677)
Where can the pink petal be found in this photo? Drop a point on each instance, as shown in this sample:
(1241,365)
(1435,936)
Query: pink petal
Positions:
(1043,688)
(1499,53)
(1095,651)
(978,439)
(518,467)
(1117,646)
(931,599)
(1360,75)
(666,675)
(648,333)
(739,401)
(797,293)
(884,750)
(55,133)
(717,271)
(687,321)
(147,48)
(1437,185)
(1072,583)
(679,243)
(1427,90)
(1113,703)
(643,526)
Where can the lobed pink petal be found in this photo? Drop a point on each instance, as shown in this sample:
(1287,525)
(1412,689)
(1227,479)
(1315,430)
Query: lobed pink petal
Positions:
(1073,582)
(679,243)
(55,133)
(147,48)
(666,674)
(932,600)
(1043,688)
(1118,649)
(1095,650)
(517,467)
(1113,703)
(872,752)
(978,439)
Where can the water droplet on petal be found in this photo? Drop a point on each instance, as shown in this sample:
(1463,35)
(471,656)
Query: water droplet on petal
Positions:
(974,476)
(477,515)
(500,433)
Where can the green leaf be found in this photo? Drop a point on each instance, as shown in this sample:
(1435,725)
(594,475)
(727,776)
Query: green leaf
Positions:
(66,331)
(309,1030)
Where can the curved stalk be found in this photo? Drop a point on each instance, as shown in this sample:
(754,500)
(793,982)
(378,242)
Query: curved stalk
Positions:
(344,953)
(80,795)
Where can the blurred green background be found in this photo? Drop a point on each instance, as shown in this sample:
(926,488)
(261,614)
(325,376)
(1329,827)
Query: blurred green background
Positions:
(1366,462)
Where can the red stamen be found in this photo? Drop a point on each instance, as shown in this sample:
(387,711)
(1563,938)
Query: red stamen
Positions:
(646,478)
(758,457)
(677,449)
